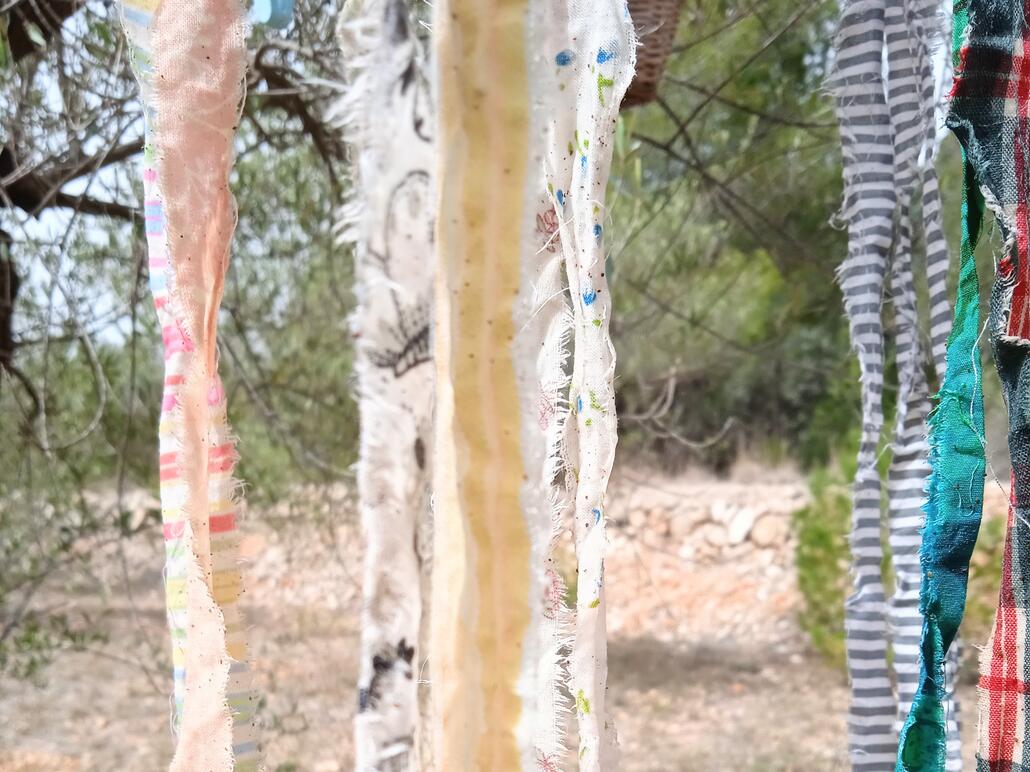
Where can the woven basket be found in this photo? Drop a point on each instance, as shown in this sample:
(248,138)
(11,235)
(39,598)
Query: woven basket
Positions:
(655,22)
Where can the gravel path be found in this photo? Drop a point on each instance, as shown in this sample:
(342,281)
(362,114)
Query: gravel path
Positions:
(702,590)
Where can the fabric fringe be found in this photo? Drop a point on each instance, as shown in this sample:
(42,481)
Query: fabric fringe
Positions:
(388,220)
(593,65)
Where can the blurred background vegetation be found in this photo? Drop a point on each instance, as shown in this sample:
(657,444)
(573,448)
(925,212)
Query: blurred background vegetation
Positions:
(728,322)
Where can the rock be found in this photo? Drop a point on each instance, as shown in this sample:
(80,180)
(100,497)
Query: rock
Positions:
(770,531)
(740,525)
(661,522)
(736,551)
(722,511)
(680,525)
(638,519)
(713,533)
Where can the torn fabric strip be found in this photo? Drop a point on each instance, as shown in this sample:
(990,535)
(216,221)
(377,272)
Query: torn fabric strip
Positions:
(593,64)
(954,505)
(528,97)
(869,205)
(911,29)
(387,120)
(190,59)
(885,98)
(989,108)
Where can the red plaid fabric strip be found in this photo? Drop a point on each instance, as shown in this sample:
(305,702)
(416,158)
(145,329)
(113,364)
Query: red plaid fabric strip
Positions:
(990,103)
(1003,683)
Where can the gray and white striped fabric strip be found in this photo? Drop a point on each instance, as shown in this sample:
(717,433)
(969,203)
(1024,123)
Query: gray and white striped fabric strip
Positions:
(869,202)
(925,25)
(887,132)
(911,28)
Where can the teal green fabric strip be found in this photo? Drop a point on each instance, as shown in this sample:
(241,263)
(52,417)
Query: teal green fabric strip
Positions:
(955,493)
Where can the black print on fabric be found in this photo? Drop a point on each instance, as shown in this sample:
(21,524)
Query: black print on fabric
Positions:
(387,664)
(410,332)
(398,28)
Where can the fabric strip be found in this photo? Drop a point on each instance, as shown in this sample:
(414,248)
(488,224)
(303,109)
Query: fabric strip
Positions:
(869,206)
(481,581)
(593,64)
(386,115)
(190,60)
(989,108)
(955,504)
(885,100)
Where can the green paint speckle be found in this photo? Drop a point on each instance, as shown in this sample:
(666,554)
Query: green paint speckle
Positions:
(595,603)
(582,703)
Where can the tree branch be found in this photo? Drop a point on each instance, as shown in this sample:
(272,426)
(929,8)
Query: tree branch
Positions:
(46,16)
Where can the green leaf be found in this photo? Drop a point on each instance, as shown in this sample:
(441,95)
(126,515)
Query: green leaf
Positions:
(5,56)
(104,33)
(35,35)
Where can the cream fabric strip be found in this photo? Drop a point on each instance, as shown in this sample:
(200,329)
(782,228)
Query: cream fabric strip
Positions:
(387,119)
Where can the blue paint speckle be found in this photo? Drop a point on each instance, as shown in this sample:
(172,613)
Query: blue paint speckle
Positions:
(597,515)
(583,162)
(560,196)
(598,231)
(589,296)
(579,405)
(564,58)
(604,56)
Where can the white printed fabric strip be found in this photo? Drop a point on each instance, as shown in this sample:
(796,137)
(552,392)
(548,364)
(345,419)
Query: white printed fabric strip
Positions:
(592,63)
(387,120)
(189,59)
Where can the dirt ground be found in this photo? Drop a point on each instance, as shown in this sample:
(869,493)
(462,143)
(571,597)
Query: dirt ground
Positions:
(708,669)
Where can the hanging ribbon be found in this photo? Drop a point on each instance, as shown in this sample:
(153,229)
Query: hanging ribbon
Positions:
(887,128)
(190,61)
(529,94)
(989,107)
(386,115)
(593,63)
(955,503)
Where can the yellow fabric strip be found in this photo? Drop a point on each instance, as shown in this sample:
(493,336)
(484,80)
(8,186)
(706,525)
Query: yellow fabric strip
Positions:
(481,582)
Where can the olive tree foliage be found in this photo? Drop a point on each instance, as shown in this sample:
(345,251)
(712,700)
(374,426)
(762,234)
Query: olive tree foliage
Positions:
(729,322)
(727,319)
(80,351)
